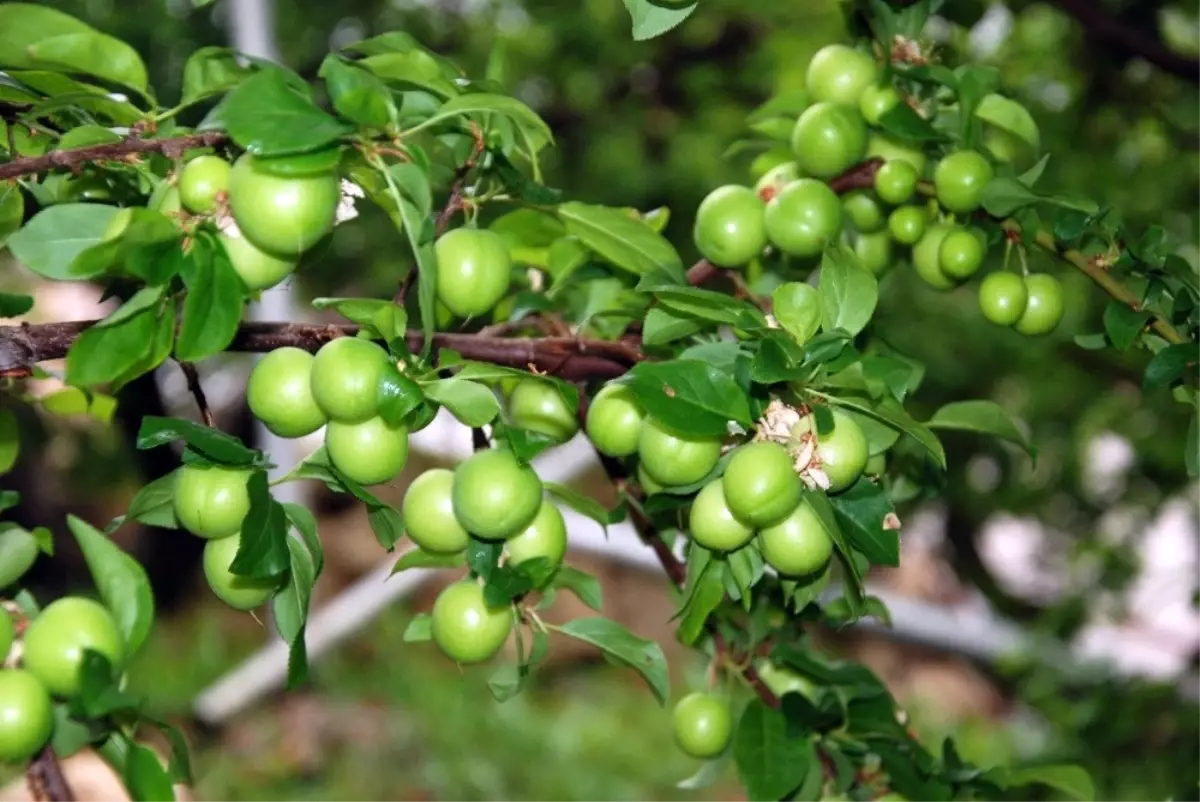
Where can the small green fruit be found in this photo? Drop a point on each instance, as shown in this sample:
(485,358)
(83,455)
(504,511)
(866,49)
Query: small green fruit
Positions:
(239,592)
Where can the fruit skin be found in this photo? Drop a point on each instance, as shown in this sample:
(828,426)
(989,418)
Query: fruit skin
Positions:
(768,160)
(862,212)
(279,393)
(474,268)
(284,215)
(614,421)
(703,725)
(961,253)
(843,451)
(896,181)
(26,715)
(545,537)
(55,641)
(876,101)
(926,256)
(829,138)
(211,501)
(839,74)
(889,149)
(798,545)
(258,269)
(495,496)
(712,524)
(201,180)
(959,179)
(729,229)
(465,628)
(775,179)
(1044,308)
(539,407)
(804,217)
(673,459)
(907,224)
(345,379)
(875,251)
(239,592)
(761,484)
(428,511)
(647,483)
(370,452)
(1002,297)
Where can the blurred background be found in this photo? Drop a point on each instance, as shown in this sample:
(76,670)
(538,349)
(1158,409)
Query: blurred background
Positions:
(1096,547)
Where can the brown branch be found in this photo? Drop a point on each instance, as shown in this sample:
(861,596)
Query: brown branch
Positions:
(193,382)
(1127,40)
(22,346)
(116,151)
(45,778)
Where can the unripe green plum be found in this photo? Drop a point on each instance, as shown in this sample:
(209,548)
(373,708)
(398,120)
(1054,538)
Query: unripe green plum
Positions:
(896,181)
(279,393)
(804,217)
(283,215)
(648,485)
(672,458)
(729,229)
(775,179)
(614,421)
(839,74)
(862,211)
(703,725)
(258,269)
(26,716)
(545,537)
(345,379)
(907,224)
(55,641)
(712,524)
(474,269)
(201,180)
(465,627)
(961,253)
(539,407)
(370,452)
(926,256)
(842,451)
(797,546)
(495,496)
(884,147)
(1002,297)
(761,484)
(1044,307)
(211,501)
(959,179)
(875,251)
(828,139)
(876,101)
(428,511)
(239,592)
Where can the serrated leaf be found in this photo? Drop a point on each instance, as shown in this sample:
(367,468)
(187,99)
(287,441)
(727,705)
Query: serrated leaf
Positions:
(651,19)
(625,241)
(848,291)
(212,308)
(53,237)
(644,656)
(266,116)
(770,763)
(121,581)
(861,512)
(985,417)
(472,403)
(263,550)
(690,396)
(585,586)
(212,443)
(662,326)
(1168,365)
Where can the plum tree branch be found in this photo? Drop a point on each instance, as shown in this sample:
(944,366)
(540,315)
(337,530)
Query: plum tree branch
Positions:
(115,151)
(45,778)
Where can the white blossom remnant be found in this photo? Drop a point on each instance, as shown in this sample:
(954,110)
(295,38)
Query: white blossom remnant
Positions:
(776,422)
(537,279)
(347,208)
(226,225)
(772,323)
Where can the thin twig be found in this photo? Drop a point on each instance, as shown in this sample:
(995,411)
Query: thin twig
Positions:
(45,778)
(193,382)
(116,151)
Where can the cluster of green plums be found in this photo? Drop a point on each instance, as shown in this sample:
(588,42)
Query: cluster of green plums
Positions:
(52,649)
(793,209)
(760,492)
(490,496)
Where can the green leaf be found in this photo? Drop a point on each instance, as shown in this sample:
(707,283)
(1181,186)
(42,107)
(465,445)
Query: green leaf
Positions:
(623,240)
(662,326)
(357,94)
(584,505)
(861,510)
(583,585)
(472,403)
(51,240)
(902,123)
(893,414)
(482,556)
(974,83)
(536,133)
(705,592)
(771,764)
(1168,365)
(387,524)
(152,505)
(651,19)
(133,340)
(644,656)
(709,774)
(12,211)
(145,777)
(36,37)
(398,395)
(10,440)
(180,766)
(821,505)
(212,443)
(382,319)
(416,558)
(716,307)
(1010,116)
(419,629)
(263,550)
(419,231)
(18,552)
(414,69)
(1123,324)
(268,117)
(210,71)
(797,306)
(985,417)
(690,396)
(290,609)
(212,309)
(121,581)
(1003,196)
(848,291)
(1073,781)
